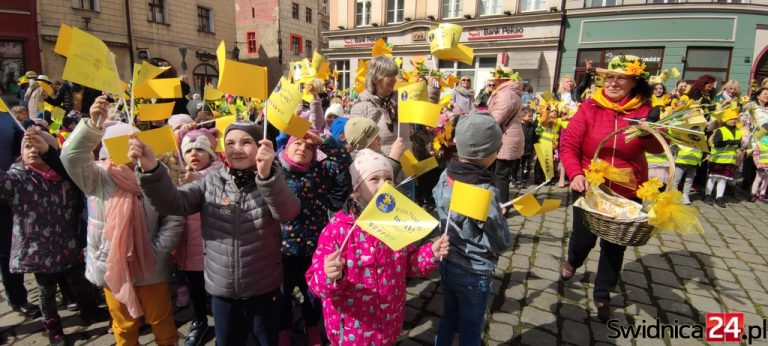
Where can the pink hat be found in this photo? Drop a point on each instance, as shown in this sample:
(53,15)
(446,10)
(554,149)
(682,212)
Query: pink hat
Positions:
(204,139)
(176,120)
(366,163)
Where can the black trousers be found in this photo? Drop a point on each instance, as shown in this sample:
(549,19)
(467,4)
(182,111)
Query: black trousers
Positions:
(197,295)
(611,257)
(13,282)
(523,165)
(294,268)
(503,172)
(82,289)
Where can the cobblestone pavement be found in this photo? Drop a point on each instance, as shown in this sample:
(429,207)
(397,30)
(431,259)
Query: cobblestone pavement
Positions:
(673,277)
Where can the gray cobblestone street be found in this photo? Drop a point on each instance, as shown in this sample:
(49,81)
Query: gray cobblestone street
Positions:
(674,277)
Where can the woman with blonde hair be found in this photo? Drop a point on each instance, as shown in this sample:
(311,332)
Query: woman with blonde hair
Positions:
(731,92)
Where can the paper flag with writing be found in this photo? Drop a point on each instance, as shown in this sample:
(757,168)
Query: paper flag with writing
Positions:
(528,206)
(90,63)
(58,114)
(381,47)
(691,133)
(394,219)
(413,167)
(3,106)
(212,94)
(165,88)
(155,111)
(281,107)
(446,36)
(470,200)
(415,91)
(302,70)
(419,112)
(146,71)
(64,40)
(546,159)
(317,60)
(161,141)
(239,78)
(221,125)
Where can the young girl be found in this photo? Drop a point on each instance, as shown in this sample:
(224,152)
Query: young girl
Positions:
(198,147)
(310,180)
(726,146)
(760,155)
(241,207)
(362,282)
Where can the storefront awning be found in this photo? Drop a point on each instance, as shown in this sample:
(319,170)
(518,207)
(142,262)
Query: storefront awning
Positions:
(524,60)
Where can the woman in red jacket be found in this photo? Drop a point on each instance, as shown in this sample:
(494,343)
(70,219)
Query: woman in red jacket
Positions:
(625,95)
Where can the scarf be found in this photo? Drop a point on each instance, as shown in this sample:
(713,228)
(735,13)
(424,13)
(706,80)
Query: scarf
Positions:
(131,256)
(464,91)
(390,113)
(49,175)
(469,173)
(242,178)
(662,101)
(293,165)
(634,103)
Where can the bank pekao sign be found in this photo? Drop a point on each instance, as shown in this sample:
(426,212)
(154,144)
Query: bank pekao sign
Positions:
(360,41)
(496,32)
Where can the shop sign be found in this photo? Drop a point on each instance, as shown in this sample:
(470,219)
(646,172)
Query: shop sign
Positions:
(496,32)
(361,41)
(204,56)
(419,36)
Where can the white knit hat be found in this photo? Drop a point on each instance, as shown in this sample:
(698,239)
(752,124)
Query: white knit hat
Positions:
(203,139)
(335,109)
(366,163)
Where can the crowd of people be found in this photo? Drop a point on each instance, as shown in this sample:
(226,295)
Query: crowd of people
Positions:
(237,231)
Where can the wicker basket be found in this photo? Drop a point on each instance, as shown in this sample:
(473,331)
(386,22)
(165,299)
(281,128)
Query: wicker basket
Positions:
(633,232)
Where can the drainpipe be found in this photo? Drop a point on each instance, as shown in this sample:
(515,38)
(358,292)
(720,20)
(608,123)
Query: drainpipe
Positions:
(129,31)
(560,47)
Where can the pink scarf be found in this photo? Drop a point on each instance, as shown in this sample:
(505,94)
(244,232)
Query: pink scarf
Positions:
(131,256)
(49,175)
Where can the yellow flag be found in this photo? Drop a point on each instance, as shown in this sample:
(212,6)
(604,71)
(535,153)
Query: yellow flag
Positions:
(58,114)
(281,107)
(155,111)
(446,36)
(461,53)
(546,159)
(402,84)
(46,87)
(146,71)
(362,70)
(381,47)
(3,106)
(317,60)
(445,101)
(528,206)
(302,70)
(675,72)
(64,40)
(419,112)
(324,72)
(161,141)
(691,133)
(394,219)
(239,78)
(470,200)
(212,94)
(165,88)
(413,167)
(90,63)
(221,125)
(296,126)
(415,91)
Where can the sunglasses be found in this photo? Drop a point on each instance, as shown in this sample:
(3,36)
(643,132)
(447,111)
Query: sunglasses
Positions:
(491,85)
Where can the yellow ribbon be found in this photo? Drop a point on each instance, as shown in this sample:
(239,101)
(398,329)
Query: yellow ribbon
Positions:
(667,213)
(649,190)
(600,170)
(633,104)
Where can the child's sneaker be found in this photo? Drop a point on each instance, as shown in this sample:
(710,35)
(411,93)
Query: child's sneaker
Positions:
(752,197)
(182,296)
(763,198)
(685,200)
(55,331)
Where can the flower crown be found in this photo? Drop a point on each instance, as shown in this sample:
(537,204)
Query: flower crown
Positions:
(506,73)
(629,65)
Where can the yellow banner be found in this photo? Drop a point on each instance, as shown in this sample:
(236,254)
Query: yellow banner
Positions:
(90,63)
(165,88)
(3,106)
(528,206)
(415,91)
(155,111)
(221,125)
(146,71)
(394,219)
(471,201)
(546,159)
(413,167)
(212,94)
(64,40)
(419,112)
(239,78)
(161,141)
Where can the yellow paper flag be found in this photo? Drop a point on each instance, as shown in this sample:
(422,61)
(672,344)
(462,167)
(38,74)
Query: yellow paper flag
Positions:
(381,47)
(470,200)
(161,141)
(461,53)
(416,91)
(413,167)
(324,72)
(239,78)
(46,87)
(394,219)
(212,94)
(165,88)
(296,126)
(546,159)
(419,112)
(446,36)
(528,206)
(302,70)
(675,72)
(90,63)
(58,114)
(281,106)
(317,60)
(64,40)
(146,71)
(221,125)
(3,106)
(155,111)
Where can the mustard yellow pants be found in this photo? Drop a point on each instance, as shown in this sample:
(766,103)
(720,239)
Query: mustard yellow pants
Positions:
(158,313)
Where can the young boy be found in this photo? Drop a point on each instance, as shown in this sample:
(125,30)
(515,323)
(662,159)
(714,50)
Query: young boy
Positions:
(467,270)
(524,163)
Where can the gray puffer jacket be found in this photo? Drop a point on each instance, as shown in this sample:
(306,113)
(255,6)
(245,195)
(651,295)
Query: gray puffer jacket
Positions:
(241,227)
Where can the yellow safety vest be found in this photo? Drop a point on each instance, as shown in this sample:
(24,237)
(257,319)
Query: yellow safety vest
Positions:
(763,153)
(688,156)
(727,155)
(656,158)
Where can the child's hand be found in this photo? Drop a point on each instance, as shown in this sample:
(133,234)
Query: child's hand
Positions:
(333,267)
(397,149)
(34,138)
(141,154)
(264,158)
(440,247)
(99,111)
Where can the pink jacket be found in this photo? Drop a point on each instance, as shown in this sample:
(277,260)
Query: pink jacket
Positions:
(189,252)
(369,301)
(504,105)
(589,126)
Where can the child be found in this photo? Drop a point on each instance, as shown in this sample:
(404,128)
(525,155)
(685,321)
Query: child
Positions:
(363,133)
(524,163)
(46,221)
(362,285)
(687,161)
(241,206)
(129,242)
(198,147)
(310,180)
(760,155)
(726,146)
(466,272)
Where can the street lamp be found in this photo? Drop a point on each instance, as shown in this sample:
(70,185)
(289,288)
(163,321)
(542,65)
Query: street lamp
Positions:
(236,53)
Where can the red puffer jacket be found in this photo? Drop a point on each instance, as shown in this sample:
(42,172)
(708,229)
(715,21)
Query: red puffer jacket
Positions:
(591,123)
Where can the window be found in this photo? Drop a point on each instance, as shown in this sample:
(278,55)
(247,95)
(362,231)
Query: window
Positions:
(296,44)
(324,7)
(205,74)
(395,11)
(295,10)
(204,19)
(488,7)
(451,9)
(308,47)
(342,67)
(157,11)
(707,60)
(91,5)
(601,3)
(652,57)
(479,71)
(12,62)
(250,37)
(535,5)
(363,13)
(309,15)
